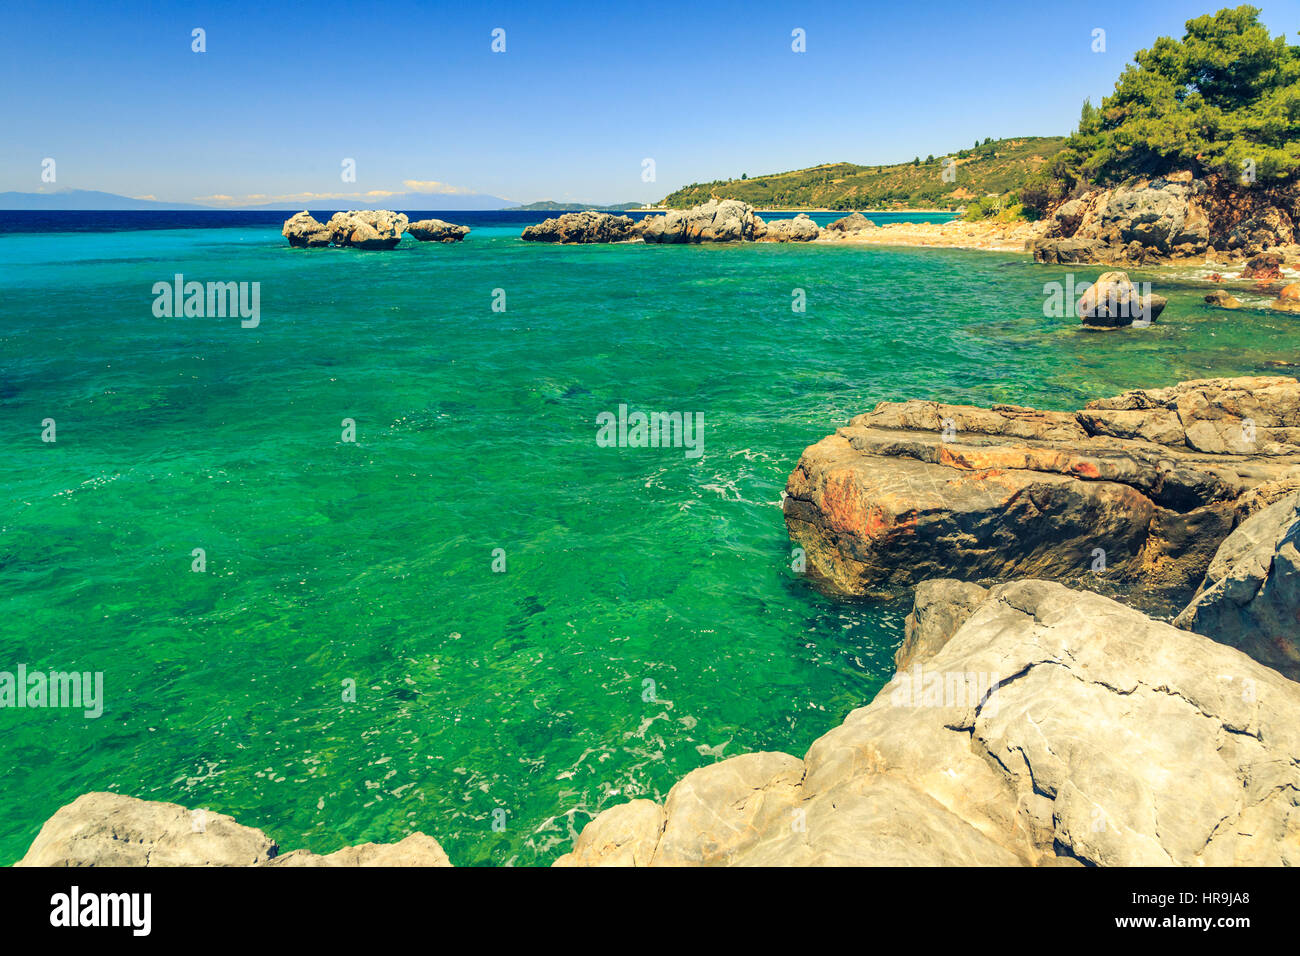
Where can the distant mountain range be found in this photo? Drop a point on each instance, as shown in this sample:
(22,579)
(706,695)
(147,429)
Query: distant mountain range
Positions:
(550,205)
(93,199)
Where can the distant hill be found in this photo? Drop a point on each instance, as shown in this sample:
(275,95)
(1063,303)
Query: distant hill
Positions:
(91,199)
(996,167)
(550,205)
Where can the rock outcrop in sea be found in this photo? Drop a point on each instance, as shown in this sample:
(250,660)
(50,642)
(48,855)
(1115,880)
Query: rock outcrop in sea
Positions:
(304,231)
(1114,302)
(583,227)
(1035,725)
(1174,216)
(367,228)
(109,829)
(436,230)
(357,229)
(728,220)
(1143,486)
(799,229)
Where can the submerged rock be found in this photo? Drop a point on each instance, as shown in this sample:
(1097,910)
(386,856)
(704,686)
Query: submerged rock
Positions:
(1053,727)
(436,230)
(1250,597)
(1223,300)
(727,221)
(367,228)
(303,231)
(108,829)
(1143,486)
(580,227)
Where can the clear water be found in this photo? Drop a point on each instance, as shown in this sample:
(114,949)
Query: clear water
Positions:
(525,691)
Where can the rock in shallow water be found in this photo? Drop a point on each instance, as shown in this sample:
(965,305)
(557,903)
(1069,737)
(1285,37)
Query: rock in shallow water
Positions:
(727,221)
(436,230)
(799,229)
(582,227)
(108,829)
(854,222)
(1143,486)
(1113,301)
(1054,726)
(367,228)
(304,231)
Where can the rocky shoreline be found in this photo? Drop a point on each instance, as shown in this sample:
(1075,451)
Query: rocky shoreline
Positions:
(1172,219)
(1029,723)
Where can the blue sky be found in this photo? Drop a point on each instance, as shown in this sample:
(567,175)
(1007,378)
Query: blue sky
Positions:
(582,94)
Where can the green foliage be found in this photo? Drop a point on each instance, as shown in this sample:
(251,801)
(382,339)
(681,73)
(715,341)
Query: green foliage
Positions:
(1005,208)
(999,167)
(1224,99)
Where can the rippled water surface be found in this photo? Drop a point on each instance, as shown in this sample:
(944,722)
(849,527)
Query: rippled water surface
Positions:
(647,622)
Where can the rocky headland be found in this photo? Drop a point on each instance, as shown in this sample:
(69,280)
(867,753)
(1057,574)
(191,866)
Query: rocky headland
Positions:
(1171,218)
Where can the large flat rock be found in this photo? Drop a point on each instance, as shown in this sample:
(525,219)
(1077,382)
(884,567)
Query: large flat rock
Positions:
(1143,486)
(1054,727)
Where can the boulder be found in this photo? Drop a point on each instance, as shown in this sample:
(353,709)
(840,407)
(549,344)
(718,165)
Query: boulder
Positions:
(435,230)
(1266,265)
(854,222)
(1140,487)
(583,227)
(367,228)
(1054,727)
(1250,598)
(729,220)
(1115,302)
(414,850)
(939,607)
(109,829)
(1223,300)
(624,835)
(303,231)
(799,229)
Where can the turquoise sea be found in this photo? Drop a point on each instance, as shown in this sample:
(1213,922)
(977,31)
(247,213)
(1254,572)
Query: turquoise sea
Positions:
(647,621)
